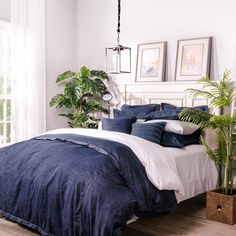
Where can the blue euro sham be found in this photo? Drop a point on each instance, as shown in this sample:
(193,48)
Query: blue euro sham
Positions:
(138,111)
(72,185)
(168,106)
(170,112)
(118,114)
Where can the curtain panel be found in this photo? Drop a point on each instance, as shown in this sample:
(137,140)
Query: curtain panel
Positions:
(28,67)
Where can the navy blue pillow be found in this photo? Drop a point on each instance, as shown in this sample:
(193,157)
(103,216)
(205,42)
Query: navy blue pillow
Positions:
(149,131)
(180,141)
(117,114)
(163,115)
(167,106)
(138,111)
(118,125)
(170,112)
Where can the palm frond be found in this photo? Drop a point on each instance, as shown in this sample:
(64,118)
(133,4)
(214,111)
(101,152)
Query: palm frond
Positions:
(199,117)
(209,83)
(198,92)
(213,155)
(220,94)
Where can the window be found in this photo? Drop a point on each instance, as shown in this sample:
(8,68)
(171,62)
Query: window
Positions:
(5,85)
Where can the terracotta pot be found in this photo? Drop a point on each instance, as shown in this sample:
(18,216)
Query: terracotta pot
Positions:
(221,207)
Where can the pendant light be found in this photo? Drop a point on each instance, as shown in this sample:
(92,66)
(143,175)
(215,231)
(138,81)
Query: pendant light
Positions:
(118,58)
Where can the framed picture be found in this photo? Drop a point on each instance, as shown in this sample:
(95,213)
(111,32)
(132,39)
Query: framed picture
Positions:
(193,59)
(151,62)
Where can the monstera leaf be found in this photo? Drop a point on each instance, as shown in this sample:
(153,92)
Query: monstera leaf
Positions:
(82,95)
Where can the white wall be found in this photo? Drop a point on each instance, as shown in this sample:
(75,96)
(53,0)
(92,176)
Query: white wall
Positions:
(60,50)
(77,32)
(154,21)
(5,8)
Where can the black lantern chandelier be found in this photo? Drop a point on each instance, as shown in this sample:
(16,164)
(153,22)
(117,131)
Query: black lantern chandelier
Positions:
(118,58)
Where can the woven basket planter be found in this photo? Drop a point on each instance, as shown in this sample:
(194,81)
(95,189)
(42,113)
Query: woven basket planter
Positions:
(221,207)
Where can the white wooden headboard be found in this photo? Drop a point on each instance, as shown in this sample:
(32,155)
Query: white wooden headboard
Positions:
(171,92)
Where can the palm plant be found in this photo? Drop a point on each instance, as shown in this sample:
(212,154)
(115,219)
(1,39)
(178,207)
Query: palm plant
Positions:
(82,96)
(221,95)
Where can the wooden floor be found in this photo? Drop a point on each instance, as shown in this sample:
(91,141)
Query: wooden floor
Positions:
(188,220)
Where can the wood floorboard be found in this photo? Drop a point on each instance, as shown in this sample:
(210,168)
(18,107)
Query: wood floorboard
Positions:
(188,220)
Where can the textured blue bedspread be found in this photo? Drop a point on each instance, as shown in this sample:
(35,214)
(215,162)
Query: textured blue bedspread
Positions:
(69,184)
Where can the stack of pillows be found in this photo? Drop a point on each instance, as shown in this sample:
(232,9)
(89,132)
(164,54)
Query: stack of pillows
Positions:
(158,123)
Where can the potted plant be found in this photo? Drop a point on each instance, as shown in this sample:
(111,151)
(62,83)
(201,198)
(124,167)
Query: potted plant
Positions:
(221,203)
(82,96)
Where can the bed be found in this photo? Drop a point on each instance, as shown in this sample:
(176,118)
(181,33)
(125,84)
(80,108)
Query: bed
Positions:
(92,182)
(193,174)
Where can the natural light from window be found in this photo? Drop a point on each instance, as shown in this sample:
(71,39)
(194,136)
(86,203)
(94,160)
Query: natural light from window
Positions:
(5,85)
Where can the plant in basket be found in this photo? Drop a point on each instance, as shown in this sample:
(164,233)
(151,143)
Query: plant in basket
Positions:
(221,203)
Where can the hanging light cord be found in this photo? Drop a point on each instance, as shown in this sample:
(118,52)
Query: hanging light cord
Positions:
(118,26)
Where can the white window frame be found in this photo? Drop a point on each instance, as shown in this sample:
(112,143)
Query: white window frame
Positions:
(5,26)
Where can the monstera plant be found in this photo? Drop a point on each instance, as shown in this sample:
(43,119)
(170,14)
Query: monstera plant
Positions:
(221,95)
(82,96)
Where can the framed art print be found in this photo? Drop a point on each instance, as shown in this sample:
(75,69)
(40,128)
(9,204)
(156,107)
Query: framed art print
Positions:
(193,59)
(151,62)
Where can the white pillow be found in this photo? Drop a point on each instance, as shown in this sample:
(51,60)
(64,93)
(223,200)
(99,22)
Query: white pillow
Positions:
(177,126)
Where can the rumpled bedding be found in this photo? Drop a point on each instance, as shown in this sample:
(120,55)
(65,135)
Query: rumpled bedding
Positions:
(67,184)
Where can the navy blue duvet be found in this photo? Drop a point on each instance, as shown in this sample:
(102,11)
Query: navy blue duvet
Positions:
(69,185)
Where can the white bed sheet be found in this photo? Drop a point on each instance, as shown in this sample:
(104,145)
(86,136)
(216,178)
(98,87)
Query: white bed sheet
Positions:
(197,172)
(188,171)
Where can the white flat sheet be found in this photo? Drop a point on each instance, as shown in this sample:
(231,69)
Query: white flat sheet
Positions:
(188,171)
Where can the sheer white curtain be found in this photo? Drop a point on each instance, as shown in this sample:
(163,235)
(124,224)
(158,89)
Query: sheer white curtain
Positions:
(28,67)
